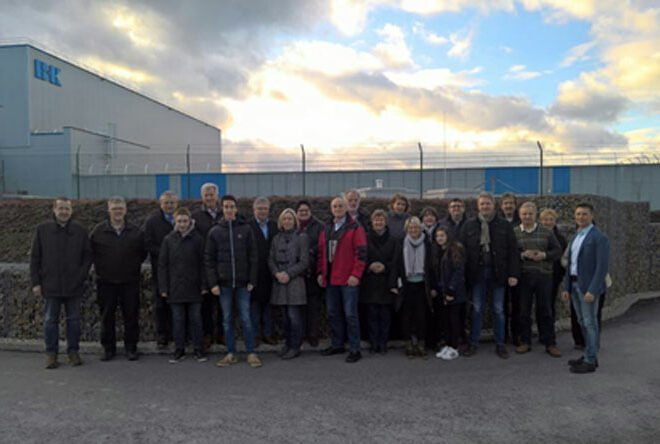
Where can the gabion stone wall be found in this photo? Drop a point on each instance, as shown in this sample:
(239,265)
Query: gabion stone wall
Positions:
(634,266)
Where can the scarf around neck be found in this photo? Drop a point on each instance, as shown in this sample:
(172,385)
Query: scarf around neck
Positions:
(414,252)
(484,240)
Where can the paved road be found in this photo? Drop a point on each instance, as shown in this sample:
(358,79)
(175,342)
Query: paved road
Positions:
(530,398)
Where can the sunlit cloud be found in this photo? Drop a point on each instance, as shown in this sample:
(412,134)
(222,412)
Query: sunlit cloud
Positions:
(520,72)
(461,44)
(122,73)
(393,50)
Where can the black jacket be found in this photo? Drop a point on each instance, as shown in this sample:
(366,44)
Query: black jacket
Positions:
(264,284)
(60,259)
(204,221)
(375,288)
(504,250)
(118,258)
(363,219)
(313,230)
(400,270)
(156,228)
(181,267)
(453,226)
(446,276)
(230,255)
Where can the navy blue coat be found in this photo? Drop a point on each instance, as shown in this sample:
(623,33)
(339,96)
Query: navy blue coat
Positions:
(593,261)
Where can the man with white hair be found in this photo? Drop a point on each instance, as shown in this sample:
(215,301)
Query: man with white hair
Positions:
(352,198)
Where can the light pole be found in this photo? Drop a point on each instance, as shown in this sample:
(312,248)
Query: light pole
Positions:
(304,162)
(421,169)
(541,168)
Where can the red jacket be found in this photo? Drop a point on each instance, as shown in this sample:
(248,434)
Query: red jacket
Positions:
(350,255)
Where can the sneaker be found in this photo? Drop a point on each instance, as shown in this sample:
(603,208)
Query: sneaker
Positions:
(178,356)
(523,348)
(583,367)
(74,359)
(228,360)
(470,350)
(200,356)
(132,355)
(253,360)
(283,351)
(501,352)
(291,354)
(353,357)
(442,352)
(451,354)
(51,361)
(553,351)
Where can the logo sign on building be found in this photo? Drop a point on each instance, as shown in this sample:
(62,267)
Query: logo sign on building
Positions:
(48,73)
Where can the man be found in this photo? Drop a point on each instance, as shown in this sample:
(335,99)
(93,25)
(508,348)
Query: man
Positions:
(456,217)
(508,204)
(539,249)
(59,265)
(313,227)
(264,231)
(492,264)
(341,263)
(588,260)
(119,250)
(230,260)
(352,198)
(158,225)
(205,217)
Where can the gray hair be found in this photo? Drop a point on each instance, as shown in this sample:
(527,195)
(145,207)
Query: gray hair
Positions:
(486,195)
(261,200)
(351,191)
(167,193)
(208,185)
(116,200)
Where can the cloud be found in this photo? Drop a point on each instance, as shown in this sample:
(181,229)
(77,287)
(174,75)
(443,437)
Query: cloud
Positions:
(393,50)
(461,44)
(589,99)
(429,37)
(519,72)
(577,54)
(430,79)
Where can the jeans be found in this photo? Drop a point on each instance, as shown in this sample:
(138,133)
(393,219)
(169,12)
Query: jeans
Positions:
(576,330)
(480,290)
(587,314)
(379,319)
(342,304)
(243,301)
(536,288)
(127,296)
(52,308)
(261,312)
(194,312)
(293,326)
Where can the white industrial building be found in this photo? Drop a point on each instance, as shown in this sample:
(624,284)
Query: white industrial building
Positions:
(61,124)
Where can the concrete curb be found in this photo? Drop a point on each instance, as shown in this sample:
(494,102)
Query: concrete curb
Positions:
(618,308)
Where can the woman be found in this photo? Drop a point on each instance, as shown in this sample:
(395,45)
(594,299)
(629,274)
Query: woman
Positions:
(429,218)
(378,281)
(548,218)
(398,214)
(288,262)
(446,280)
(412,258)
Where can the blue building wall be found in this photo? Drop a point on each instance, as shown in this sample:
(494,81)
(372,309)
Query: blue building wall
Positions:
(520,180)
(199,179)
(561,179)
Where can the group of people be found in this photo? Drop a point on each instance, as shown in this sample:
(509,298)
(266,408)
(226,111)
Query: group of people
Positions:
(430,277)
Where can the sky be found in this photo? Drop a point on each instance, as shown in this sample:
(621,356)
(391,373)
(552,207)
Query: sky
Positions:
(361,83)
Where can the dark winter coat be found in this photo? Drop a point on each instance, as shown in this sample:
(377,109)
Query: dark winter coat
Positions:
(204,221)
(230,255)
(454,228)
(289,252)
(557,270)
(181,267)
(313,231)
(363,219)
(118,258)
(446,276)
(504,250)
(264,284)
(60,259)
(350,253)
(156,228)
(400,271)
(396,222)
(375,288)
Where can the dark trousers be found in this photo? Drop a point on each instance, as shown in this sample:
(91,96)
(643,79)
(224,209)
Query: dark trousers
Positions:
(210,305)
(162,315)
(435,326)
(414,310)
(312,312)
(576,329)
(127,297)
(451,319)
(512,314)
(262,316)
(193,312)
(379,320)
(293,325)
(536,289)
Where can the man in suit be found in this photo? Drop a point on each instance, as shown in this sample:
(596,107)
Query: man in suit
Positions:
(588,258)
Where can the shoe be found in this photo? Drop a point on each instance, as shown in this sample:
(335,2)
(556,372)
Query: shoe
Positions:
(442,352)
(200,356)
(470,350)
(410,350)
(51,361)
(583,367)
(228,360)
(501,351)
(290,354)
(578,347)
(74,359)
(421,352)
(132,355)
(107,355)
(553,351)
(580,360)
(523,348)
(283,351)
(206,342)
(162,346)
(313,342)
(270,340)
(451,354)
(253,360)
(353,357)
(220,340)
(333,351)
(178,356)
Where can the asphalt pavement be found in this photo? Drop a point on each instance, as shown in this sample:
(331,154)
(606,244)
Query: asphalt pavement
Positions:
(314,399)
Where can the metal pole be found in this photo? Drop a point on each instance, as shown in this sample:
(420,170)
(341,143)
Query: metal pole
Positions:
(78,173)
(421,169)
(444,145)
(304,167)
(188,170)
(541,168)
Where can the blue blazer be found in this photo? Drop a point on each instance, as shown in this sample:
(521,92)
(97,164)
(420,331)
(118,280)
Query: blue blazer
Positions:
(593,260)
